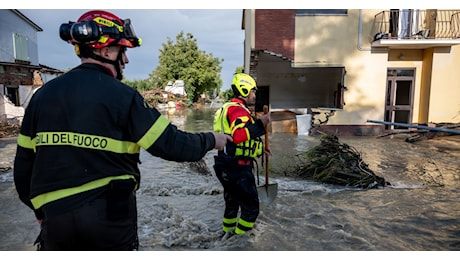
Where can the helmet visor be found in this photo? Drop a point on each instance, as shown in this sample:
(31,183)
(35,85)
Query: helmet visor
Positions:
(128,36)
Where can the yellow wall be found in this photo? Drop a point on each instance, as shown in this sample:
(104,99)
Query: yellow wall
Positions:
(445,86)
(326,42)
(336,41)
(425,87)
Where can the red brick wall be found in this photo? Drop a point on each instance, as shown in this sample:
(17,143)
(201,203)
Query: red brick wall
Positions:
(275,31)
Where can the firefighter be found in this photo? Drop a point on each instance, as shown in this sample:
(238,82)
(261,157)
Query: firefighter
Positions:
(76,164)
(235,163)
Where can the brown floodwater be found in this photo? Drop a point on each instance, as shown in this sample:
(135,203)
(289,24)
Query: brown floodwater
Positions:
(181,208)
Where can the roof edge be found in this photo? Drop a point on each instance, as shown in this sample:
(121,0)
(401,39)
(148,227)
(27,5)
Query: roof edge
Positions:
(22,16)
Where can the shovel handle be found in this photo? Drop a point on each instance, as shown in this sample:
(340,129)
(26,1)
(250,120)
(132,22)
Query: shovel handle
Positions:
(266,145)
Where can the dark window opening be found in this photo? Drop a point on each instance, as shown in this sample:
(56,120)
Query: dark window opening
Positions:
(262,98)
(12,92)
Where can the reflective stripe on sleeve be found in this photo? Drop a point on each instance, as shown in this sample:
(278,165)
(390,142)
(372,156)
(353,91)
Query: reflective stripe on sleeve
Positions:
(152,135)
(26,142)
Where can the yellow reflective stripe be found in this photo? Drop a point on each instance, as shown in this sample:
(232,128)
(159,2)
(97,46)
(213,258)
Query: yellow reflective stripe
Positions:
(244,119)
(229,224)
(229,220)
(103,39)
(234,127)
(154,132)
(239,231)
(108,23)
(86,141)
(48,197)
(245,224)
(228,229)
(228,129)
(26,142)
(251,148)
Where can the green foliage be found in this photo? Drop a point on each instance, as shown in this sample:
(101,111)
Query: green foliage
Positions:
(67,70)
(227,95)
(140,85)
(183,60)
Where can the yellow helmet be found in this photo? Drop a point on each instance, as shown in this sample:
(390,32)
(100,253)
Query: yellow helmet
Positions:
(242,84)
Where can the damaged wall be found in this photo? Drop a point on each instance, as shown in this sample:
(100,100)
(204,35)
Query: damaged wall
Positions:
(8,110)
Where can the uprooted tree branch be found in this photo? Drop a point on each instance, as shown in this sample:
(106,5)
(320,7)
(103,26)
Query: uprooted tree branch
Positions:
(335,163)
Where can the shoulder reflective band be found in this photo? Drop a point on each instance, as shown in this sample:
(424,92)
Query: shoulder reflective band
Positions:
(78,140)
(151,136)
(48,197)
(26,142)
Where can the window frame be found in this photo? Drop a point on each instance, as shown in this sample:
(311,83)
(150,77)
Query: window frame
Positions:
(21,50)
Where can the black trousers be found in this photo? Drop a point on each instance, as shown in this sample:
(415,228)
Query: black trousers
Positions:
(240,190)
(93,226)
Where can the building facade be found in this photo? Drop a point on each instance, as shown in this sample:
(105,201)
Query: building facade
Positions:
(347,66)
(20,71)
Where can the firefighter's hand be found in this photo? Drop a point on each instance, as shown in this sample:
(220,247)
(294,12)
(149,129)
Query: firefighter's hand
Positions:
(221,140)
(265,118)
(268,151)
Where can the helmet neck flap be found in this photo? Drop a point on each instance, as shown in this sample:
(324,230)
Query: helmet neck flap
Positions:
(86,52)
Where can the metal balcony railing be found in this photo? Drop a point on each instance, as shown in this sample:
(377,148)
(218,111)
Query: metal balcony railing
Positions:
(416,24)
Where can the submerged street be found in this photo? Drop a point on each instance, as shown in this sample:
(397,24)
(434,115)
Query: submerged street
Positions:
(181,208)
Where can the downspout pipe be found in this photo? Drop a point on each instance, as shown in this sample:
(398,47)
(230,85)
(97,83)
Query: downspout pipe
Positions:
(360,31)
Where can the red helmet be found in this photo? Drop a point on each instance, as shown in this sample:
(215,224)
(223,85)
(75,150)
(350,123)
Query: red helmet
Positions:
(98,29)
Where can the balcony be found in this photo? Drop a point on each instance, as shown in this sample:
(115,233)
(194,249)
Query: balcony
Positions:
(415,29)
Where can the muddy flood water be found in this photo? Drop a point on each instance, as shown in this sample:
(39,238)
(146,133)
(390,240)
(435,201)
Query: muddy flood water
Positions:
(180,208)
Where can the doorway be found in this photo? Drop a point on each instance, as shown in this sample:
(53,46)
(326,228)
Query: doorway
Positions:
(262,98)
(399,97)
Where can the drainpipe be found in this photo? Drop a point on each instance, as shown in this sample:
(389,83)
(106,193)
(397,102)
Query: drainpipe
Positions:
(360,31)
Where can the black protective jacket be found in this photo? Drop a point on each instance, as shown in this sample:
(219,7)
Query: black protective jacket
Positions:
(84,129)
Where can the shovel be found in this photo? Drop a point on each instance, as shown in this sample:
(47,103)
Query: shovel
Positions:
(267,192)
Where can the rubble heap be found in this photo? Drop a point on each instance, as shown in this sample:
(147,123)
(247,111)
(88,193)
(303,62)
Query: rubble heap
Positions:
(336,163)
(9,128)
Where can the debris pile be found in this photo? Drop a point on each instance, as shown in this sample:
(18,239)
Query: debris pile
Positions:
(200,167)
(426,134)
(336,163)
(159,96)
(9,128)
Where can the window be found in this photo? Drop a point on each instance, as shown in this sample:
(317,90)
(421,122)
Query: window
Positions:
(12,92)
(21,52)
(321,11)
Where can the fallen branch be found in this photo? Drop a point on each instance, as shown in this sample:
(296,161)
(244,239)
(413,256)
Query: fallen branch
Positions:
(336,163)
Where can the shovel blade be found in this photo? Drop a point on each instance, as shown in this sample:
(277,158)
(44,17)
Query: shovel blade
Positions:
(267,193)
